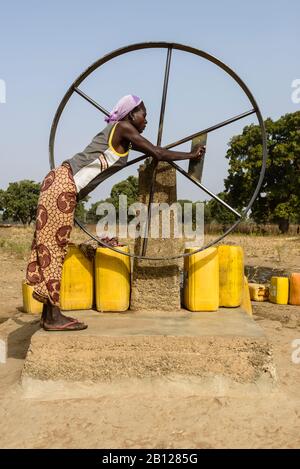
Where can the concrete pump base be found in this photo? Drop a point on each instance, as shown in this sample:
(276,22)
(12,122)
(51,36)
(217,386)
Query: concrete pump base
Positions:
(205,352)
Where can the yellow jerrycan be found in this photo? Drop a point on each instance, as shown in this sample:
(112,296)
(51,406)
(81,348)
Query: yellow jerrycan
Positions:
(76,290)
(112,279)
(258,291)
(201,288)
(279,290)
(30,305)
(231,274)
(246,301)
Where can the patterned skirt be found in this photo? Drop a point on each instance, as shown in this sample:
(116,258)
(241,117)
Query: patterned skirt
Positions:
(54,222)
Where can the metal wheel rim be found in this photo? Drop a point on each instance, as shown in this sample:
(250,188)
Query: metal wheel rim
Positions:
(184,48)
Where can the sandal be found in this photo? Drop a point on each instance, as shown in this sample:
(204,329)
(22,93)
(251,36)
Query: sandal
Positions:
(44,316)
(78,326)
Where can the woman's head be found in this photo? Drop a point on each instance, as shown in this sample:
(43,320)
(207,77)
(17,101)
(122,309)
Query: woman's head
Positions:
(130,108)
(137,117)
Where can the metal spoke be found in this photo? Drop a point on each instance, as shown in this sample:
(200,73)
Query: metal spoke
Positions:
(136,160)
(210,129)
(164,97)
(104,111)
(159,137)
(205,189)
(91,101)
(150,201)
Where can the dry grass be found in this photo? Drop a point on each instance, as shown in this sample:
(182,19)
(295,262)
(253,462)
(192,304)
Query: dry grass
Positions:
(271,254)
(16,241)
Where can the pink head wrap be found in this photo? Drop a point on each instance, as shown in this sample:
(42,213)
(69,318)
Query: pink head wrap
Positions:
(123,107)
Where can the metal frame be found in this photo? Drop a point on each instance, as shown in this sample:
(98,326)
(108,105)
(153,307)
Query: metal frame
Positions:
(170,47)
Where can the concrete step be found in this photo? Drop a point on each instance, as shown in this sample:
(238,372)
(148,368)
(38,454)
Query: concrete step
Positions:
(212,349)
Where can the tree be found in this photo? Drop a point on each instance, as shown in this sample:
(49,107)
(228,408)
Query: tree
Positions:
(2,192)
(187,201)
(208,213)
(206,208)
(219,213)
(1,203)
(279,198)
(80,211)
(91,216)
(19,201)
(128,187)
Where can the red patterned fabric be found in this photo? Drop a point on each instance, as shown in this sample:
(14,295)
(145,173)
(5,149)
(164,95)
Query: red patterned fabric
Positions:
(54,222)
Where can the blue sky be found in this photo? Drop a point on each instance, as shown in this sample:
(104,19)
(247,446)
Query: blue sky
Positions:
(45,45)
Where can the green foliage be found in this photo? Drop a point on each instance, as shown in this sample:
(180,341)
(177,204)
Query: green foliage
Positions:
(217,212)
(186,201)
(19,201)
(80,211)
(207,213)
(91,216)
(128,187)
(279,198)
(2,192)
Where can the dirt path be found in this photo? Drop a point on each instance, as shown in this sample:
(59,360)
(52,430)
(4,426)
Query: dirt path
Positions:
(12,272)
(139,420)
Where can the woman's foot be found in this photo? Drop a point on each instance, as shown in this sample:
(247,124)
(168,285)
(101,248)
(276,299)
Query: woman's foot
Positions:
(44,315)
(56,321)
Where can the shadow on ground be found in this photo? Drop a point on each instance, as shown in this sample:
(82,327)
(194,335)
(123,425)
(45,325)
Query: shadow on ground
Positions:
(262,274)
(18,341)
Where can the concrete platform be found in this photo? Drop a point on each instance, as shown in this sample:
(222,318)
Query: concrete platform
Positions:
(212,351)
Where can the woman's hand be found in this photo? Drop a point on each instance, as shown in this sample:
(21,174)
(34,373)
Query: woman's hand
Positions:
(198,152)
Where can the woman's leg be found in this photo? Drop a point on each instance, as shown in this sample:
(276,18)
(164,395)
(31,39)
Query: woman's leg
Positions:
(54,221)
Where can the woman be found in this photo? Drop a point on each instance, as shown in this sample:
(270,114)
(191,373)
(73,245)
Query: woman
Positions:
(72,181)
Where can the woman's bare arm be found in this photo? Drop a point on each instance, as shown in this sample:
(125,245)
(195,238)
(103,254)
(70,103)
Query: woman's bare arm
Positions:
(139,143)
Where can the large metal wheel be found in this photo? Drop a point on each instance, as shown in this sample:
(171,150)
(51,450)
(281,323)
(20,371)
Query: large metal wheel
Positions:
(74,88)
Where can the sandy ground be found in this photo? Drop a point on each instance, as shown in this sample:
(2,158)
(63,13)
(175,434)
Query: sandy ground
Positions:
(139,420)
